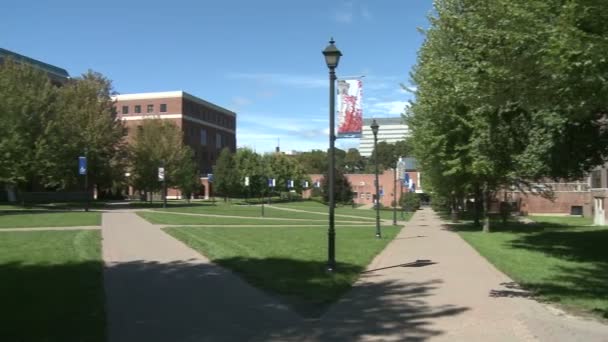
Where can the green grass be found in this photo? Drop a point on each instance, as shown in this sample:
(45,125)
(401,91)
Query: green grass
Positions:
(47,218)
(567,220)
(290,261)
(561,263)
(385,214)
(176,219)
(51,286)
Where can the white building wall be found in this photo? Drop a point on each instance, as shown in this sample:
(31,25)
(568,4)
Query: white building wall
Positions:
(391,130)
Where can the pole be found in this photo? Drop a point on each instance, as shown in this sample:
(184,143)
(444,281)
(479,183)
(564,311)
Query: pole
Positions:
(400,197)
(395,196)
(164,186)
(86,180)
(378,233)
(331,233)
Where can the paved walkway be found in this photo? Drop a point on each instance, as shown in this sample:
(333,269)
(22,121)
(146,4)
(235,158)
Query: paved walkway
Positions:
(33,229)
(157,289)
(428,284)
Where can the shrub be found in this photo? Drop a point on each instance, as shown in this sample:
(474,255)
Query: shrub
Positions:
(410,201)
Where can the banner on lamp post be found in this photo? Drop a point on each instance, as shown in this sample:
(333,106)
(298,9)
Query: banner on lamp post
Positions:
(350,111)
(161,174)
(246,181)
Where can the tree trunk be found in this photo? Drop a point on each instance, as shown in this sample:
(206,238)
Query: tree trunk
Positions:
(486,204)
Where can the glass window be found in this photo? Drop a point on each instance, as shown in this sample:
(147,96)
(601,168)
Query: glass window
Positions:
(125,109)
(163,107)
(150,108)
(218,140)
(137,109)
(596,179)
(203,137)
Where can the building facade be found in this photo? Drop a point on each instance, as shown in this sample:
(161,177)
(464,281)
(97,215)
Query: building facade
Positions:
(57,75)
(364,191)
(207,128)
(391,130)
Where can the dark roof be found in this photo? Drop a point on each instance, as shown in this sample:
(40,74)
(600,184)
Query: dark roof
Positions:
(53,71)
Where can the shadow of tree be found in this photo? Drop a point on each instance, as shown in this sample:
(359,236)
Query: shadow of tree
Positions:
(185,301)
(52,302)
(588,279)
(190,301)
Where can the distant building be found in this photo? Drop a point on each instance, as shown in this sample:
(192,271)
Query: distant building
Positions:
(391,130)
(207,128)
(57,75)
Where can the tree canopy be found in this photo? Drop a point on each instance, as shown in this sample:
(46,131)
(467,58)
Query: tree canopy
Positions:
(510,92)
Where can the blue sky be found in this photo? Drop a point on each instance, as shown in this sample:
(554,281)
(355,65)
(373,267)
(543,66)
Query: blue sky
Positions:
(261,59)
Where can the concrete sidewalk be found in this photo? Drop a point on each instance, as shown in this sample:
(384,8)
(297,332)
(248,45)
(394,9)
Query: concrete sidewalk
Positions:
(450,294)
(158,289)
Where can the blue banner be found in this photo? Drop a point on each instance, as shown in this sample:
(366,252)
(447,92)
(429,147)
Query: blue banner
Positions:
(82,165)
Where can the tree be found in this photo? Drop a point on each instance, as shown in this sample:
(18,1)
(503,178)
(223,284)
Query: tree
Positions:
(314,161)
(84,122)
(353,161)
(27,104)
(342,189)
(225,174)
(510,92)
(249,164)
(283,168)
(160,143)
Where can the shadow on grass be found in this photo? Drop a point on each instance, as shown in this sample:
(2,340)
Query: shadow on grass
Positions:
(52,302)
(186,301)
(588,281)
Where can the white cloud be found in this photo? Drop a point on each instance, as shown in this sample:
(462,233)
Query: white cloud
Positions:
(300,81)
(239,101)
(344,17)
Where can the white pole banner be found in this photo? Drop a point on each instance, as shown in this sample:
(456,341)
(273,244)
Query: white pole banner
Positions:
(350,113)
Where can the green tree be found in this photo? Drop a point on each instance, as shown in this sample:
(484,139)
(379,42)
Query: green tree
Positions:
(160,143)
(27,105)
(284,168)
(226,180)
(342,188)
(353,161)
(314,161)
(510,92)
(250,164)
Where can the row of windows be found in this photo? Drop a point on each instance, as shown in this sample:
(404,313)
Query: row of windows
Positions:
(209,116)
(149,109)
(221,140)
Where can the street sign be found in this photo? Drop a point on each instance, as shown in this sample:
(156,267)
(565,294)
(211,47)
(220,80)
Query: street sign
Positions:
(82,165)
(161,173)
(246,181)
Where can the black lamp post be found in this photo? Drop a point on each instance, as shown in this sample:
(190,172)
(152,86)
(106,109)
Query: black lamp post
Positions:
(375,127)
(332,57)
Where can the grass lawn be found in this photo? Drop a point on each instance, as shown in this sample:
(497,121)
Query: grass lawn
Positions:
(51,286)
(47,218)
(290,261)
(385,214)
(559,261)
(255,211)
(567,220)
(175,219)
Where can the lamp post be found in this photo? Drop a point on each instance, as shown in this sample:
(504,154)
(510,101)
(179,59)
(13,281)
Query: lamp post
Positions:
(395,196)
(374,128)
(332,57)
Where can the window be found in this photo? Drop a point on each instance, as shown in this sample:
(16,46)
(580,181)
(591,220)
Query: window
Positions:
(137,109)
(218,140)
(203,137)
(596,179)
(163,107)
(125,109)
(150,108)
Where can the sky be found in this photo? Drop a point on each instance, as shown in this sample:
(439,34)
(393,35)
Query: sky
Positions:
(261,59)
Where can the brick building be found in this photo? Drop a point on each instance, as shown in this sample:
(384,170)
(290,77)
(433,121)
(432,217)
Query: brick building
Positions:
(207,128)
(364,191)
